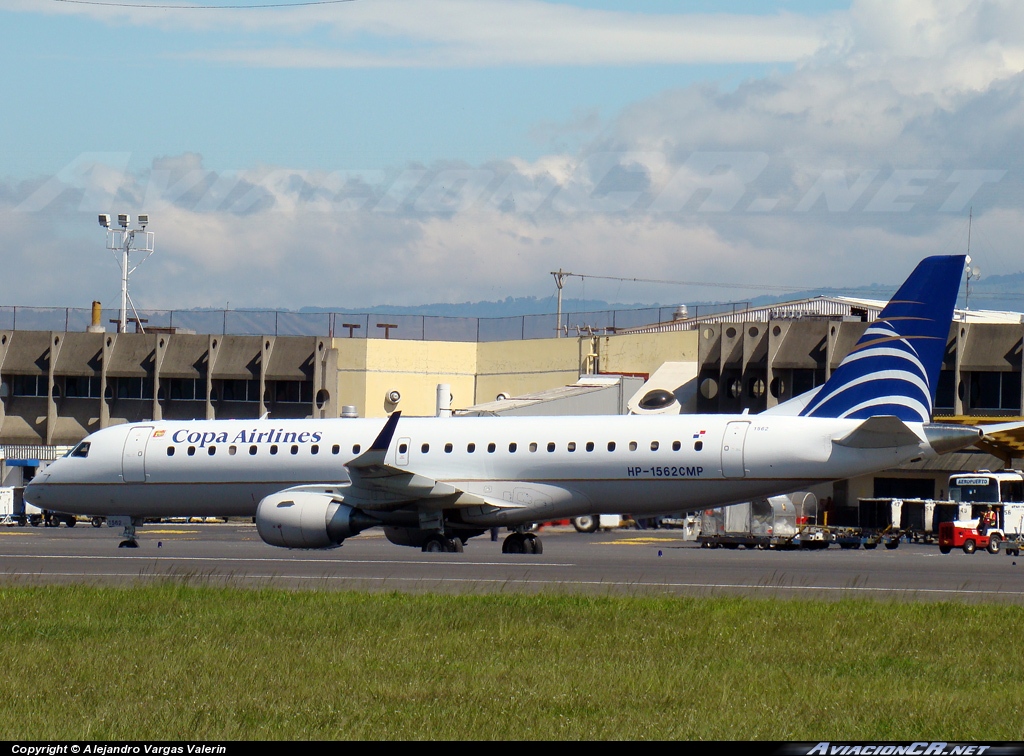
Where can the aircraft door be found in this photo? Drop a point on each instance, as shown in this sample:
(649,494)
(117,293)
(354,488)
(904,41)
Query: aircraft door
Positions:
(133,463)
(402,452)
(732,449)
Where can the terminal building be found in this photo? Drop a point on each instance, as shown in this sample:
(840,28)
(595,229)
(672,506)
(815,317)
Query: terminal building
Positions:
(63,376)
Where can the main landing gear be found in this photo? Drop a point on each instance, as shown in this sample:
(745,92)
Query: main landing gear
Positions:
(129,539)
(440,543)
(522,543)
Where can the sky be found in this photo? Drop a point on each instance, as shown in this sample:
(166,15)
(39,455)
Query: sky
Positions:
(368,152)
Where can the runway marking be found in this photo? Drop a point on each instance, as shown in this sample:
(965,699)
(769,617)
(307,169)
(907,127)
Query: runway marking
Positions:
(639,541)
(124,557)
(633,585)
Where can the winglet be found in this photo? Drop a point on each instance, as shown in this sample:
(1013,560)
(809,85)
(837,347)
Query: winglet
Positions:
(374,456)
(383,440)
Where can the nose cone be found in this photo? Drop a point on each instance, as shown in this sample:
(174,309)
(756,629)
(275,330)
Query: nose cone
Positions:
(34,491)
(950,438)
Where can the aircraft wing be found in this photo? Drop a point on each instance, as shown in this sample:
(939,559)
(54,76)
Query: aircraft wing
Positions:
(376,485)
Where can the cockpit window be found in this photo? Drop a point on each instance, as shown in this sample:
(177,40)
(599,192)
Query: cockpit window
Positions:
(82,450)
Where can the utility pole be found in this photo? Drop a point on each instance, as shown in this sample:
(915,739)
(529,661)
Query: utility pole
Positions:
(559,282)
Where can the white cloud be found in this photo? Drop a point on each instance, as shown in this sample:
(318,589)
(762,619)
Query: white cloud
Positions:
(469,33)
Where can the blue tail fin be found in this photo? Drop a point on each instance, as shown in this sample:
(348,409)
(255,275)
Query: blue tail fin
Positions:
(894,368)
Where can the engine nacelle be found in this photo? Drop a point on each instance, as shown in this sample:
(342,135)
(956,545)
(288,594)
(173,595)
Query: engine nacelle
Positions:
(308,520)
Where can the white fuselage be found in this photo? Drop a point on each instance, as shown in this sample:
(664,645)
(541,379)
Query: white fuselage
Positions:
(545,467)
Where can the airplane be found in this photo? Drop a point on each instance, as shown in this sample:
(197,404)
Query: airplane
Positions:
(433,483)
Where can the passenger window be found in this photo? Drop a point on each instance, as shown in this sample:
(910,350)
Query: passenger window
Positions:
(273,449)
(571,446)
(232,449)
(355,448)
(211,450)
(698,445)
(676,446)
(295,448)
(632,445)
(471,448)
(611,446)
(170,451)
(336,449)
(590,446)
(551,446)
(654,445)
(191,451)
(252,450)
(490,448)
(533,446)
(447,448)
(314,449)
(403,448)
(425,448)
(512,447)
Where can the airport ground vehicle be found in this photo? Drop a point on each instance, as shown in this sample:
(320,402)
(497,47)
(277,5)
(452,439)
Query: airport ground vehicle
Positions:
(965,535)
(776,522)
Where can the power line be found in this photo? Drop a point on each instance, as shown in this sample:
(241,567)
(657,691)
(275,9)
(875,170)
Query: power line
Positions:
(204,7)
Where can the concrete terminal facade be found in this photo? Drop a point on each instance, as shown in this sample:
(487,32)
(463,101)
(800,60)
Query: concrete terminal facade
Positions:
(56,387)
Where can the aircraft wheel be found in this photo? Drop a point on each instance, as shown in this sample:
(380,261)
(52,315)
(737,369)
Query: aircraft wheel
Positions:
(514,544)
(993,544)
(128,544)
(533,544)
(970,546)
(71,522)
(97,522)
(436,545)
(586,523)
(454,546)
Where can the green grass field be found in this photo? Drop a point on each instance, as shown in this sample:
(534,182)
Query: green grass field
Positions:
(176,661)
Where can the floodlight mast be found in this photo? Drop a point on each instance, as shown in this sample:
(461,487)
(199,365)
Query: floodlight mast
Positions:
(127,240)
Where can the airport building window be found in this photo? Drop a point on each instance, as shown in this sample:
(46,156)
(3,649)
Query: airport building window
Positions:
(83,387)
(292,392)
(994,390)
(132,388)
(28,385)
(234,390)
(184,389)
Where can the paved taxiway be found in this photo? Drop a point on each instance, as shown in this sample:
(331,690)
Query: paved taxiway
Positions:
(625,562)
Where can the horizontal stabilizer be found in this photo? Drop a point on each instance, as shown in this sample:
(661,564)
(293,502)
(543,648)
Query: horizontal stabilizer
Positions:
(879,432)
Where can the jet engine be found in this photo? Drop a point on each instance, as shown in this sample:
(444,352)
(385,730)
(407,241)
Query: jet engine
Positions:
(308,520)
